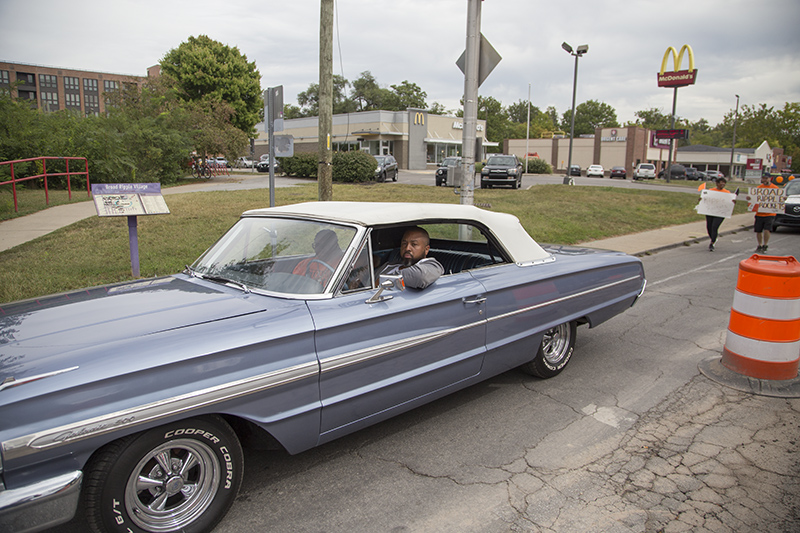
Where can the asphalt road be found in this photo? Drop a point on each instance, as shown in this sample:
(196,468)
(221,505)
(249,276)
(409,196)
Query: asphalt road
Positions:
(631,437)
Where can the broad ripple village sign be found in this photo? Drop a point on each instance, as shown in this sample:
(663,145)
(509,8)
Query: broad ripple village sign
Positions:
(678,77)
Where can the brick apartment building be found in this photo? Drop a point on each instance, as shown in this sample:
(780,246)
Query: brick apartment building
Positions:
(53,88)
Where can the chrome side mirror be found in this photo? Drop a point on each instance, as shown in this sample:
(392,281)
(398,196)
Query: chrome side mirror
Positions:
(387,283)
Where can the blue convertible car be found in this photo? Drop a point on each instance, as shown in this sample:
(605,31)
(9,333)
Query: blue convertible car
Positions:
(136,398)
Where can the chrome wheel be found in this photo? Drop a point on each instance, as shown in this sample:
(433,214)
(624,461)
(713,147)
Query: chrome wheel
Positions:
(556,344)
(172,485)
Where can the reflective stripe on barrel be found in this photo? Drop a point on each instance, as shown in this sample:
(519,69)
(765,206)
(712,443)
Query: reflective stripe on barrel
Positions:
(763,338)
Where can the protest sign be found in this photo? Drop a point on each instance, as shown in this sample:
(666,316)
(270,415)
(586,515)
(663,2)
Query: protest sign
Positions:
(716,203)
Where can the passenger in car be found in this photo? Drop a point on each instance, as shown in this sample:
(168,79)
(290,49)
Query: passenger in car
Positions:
(417,269)
(327,255)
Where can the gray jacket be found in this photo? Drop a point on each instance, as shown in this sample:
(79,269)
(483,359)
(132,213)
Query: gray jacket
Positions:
(420,275)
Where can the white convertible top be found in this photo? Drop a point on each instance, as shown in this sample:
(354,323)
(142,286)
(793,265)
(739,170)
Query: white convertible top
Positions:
(506,228)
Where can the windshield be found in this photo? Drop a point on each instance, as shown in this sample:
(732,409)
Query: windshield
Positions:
(450,161)
(381,159)
(793,187)
(504,161)
(278,255)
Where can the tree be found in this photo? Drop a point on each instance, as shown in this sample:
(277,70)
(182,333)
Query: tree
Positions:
(309,99)
(438,109)
(589,116)
(652,119)
(368,95)
(409,95)
(202,69)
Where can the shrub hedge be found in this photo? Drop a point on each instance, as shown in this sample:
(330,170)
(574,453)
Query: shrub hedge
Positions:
(348,167)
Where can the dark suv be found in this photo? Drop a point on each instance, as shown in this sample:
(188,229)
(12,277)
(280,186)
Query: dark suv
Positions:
(678,172)
(501,170)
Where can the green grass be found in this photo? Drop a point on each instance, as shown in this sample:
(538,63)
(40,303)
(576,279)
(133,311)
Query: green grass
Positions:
(33,200)
(95,251)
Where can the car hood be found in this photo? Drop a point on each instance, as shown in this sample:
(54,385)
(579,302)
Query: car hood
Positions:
(40,336)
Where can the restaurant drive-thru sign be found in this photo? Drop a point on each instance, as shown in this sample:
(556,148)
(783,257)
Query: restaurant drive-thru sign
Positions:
(677,77)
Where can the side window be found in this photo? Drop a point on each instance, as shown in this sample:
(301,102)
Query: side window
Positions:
(360,276)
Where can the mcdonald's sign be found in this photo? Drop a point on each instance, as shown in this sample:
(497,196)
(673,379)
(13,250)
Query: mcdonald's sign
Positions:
(419,118)
(677,77)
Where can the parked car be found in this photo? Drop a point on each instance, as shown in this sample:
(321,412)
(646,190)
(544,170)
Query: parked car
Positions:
(221,161)
(575,170)
(263,165)
(791,208)
(595,170)
(694,174)
(714,174)
(441,171)
(134,397)
(678,172)
(644,170)
(387,168)
(501,169)
(618,172)
(244,162)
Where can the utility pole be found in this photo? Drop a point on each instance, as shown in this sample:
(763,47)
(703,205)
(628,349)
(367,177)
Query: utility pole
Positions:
(324,169)
(471,63)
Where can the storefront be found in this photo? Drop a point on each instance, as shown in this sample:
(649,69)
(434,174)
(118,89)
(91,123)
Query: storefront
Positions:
(414,137)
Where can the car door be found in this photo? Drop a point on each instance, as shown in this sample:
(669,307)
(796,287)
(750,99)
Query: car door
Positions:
(380,359)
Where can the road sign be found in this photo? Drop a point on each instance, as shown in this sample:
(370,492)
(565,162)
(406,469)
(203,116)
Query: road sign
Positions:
(488,59)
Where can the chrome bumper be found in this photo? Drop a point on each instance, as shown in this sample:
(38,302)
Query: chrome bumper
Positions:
(41,505)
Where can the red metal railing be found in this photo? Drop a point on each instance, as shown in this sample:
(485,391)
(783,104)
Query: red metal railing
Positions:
(45,175)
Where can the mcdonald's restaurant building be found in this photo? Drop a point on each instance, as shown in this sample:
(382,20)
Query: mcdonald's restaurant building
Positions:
(417,140)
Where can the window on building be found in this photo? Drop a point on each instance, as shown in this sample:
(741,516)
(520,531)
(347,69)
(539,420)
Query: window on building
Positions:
(90,85)
(4,78)
(50,100)
(110,85)
(48,81)
(349,146)
(26,79)
(72,83)
(91,104)
(72,101)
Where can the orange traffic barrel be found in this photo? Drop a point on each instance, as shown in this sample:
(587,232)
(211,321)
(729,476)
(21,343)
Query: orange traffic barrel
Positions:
(763,338)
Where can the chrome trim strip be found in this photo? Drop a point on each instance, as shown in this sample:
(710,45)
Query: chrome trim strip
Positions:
(562,299)
(374,352)
(12,382)
(100,425)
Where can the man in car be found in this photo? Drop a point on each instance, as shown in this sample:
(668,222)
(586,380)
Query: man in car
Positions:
(327,255)
(418,270)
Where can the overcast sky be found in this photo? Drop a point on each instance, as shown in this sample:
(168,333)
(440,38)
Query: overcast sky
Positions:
(743,47)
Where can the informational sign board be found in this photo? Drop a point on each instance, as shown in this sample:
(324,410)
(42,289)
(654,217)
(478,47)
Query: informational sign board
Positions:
(765,200)
(128,199)
(716,203)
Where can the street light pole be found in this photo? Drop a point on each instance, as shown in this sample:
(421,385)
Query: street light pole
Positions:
(528,130)
(733,142)
(582,49)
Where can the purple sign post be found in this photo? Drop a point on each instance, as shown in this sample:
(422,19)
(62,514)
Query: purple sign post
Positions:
(129,200)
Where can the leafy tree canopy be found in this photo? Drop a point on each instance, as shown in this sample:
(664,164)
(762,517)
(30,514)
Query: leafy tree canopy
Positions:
(589,116)
(204,70)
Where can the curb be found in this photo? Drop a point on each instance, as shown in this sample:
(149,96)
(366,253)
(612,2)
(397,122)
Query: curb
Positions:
(712,368)
(689,242)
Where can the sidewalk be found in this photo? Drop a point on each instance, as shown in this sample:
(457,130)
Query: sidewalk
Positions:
(20,230)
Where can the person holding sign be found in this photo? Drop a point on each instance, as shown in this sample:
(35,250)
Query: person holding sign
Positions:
(717,205)
(764,219)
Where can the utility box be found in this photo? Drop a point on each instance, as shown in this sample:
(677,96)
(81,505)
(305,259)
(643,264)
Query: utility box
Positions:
(454,173)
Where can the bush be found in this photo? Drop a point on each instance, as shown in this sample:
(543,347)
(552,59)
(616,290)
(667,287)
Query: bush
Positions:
(303,165)
(538,166)
(353,167)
